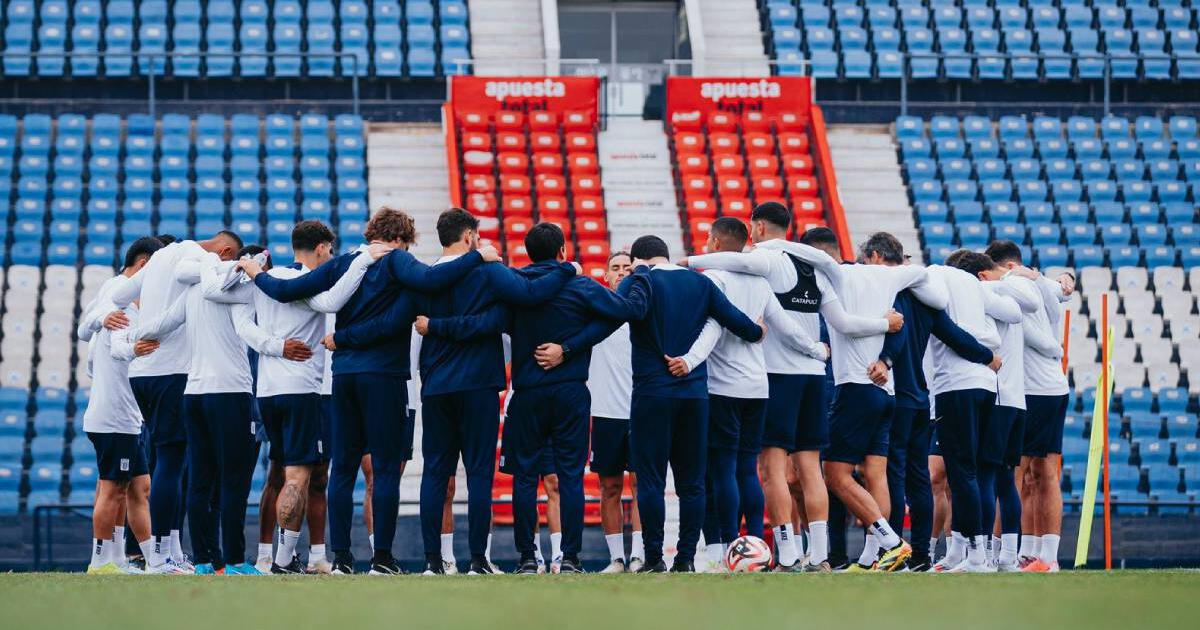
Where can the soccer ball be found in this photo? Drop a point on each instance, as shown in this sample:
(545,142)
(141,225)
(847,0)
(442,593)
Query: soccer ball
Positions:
(748,554)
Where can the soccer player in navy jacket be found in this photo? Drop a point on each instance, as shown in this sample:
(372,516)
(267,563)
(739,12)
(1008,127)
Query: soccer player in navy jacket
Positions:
(461,378)
(369,392)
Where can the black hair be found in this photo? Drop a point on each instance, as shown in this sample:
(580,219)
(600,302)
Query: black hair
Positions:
(307,235)
(166,239)
(887,246)
(649,246)
(144,246)
(731,229)
(231,235)
(774,213)
(543,242)
(819,236)
(452,223)
(973,262)
(253,250)
(1004,251)
(953,257)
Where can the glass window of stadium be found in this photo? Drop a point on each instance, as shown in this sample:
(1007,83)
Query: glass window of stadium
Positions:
(633,38)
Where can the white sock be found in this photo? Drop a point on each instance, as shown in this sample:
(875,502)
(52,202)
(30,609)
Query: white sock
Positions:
(1026,550)
(802,541)
(316,553)
(933,546)
(162,550)
(995,548)
(371,539)
(885,534)
(818,542)
(715,552)
(152,558)
(1049,551)
(870,552)
(1008,549)
(101,550)
(1035,551)
(119,555)
(487,551)
(287,547)
(448,547)
(977,551)
(537,547)
(637,548)
(176,546)
(785,543)
(956,549)
(264,550)
(556,546)
(616,546)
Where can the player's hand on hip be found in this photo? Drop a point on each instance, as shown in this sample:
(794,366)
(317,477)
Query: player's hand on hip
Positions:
(878,373)
(996,362)
(144,347)
(489,253)
(328,342)
(296,350)
(677,366)
(895,320)
(548,356)
(116,320)
(421,325)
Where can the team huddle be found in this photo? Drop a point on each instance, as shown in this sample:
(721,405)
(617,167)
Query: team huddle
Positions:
(779,384)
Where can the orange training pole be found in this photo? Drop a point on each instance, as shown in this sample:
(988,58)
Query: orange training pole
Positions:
(1104,357)
(1066,339)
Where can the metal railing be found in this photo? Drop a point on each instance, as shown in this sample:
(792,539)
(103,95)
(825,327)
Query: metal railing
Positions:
(146,64)
(541,65)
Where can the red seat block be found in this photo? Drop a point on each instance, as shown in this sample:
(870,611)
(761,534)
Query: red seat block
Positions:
(585,184)
(763,165)
(721,122)
(578,121)
(480,183)
(516,226)
(693,164)
(688,142)
(510,121)
(513,163)
(701,208)
(517,257)
(482,204)
(686,121)
(588,206)
(583,164)
(729,165)
(514,184)
(736,207)
(547,163)
(477,141)
(581,143)
(697,185)
(551,185)
(767,188)
(760,144)
(808,207)
(793,143)
(510,141)
(478,162)
(733,186)
(797,164)
(474,121)
(755,122)
(542,120)
(544,141)
(595,270)
(593,251)
(489,228)
(723,143)
(591,227)
(802,186)
(552,206)
(517,205)
(790,122)
(563,223)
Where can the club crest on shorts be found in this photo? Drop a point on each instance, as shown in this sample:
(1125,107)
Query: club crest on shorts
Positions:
(125,464)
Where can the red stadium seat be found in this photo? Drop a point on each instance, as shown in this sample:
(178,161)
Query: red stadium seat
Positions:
(482,204)
(697,185)
(581,142)
(802,186)
(583,164)
(700,226)
(563,223)
(595,270)
(514,184)
(476,140)
(593,251)
(721,122)
(480,183)
(591,227)
(542,120)
(585,184)
(755,122)
(552,206)
(473,121)
(479,162)
(510,141)
(689,142)
(551,185)
(793,143)
(516,254)
(588,206)
(790,122)
(510,121)
(513,163)
(767,188)
(489,228)
(701,208)
(578,121)
(736,207)
(729,165)
(760,144)
(732,186)
(693,164)
(517,206)
(797,164)
(686,121)
(723,143)
(763,165)
(544,141)
(516,226)
(547,163)
(809,207)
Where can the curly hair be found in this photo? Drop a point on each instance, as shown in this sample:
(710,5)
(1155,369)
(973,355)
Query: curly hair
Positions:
(389,224)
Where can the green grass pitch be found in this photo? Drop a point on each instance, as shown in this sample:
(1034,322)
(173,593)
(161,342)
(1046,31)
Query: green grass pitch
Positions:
(1130,600)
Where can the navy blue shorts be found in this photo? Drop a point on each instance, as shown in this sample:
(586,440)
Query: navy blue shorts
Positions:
(1044,417)
(546,430)
(935,446)
(293,423)
(610,446)
(160,398)
(119,456)
(736,423)
(962,416)
(370,411)
(797,413)
(1002,436)
(883,434)
(858,412)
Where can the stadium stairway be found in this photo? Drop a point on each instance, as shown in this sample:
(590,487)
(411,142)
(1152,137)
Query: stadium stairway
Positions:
(504,31)
(408,172)
(635,164)
(872,192)
(732,37)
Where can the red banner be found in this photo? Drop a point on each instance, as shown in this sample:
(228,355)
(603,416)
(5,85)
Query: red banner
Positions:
(769,95)
(555,94)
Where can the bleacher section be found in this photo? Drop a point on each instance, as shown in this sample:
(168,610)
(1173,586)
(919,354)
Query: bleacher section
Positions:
(984,39)
(74,190)
(224,38)
(726,164)
(1095,196)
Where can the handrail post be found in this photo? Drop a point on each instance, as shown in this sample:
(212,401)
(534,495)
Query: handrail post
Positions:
(152,107)
(904,69)
(1107,83)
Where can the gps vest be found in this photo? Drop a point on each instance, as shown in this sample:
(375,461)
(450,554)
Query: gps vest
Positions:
(805,297)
